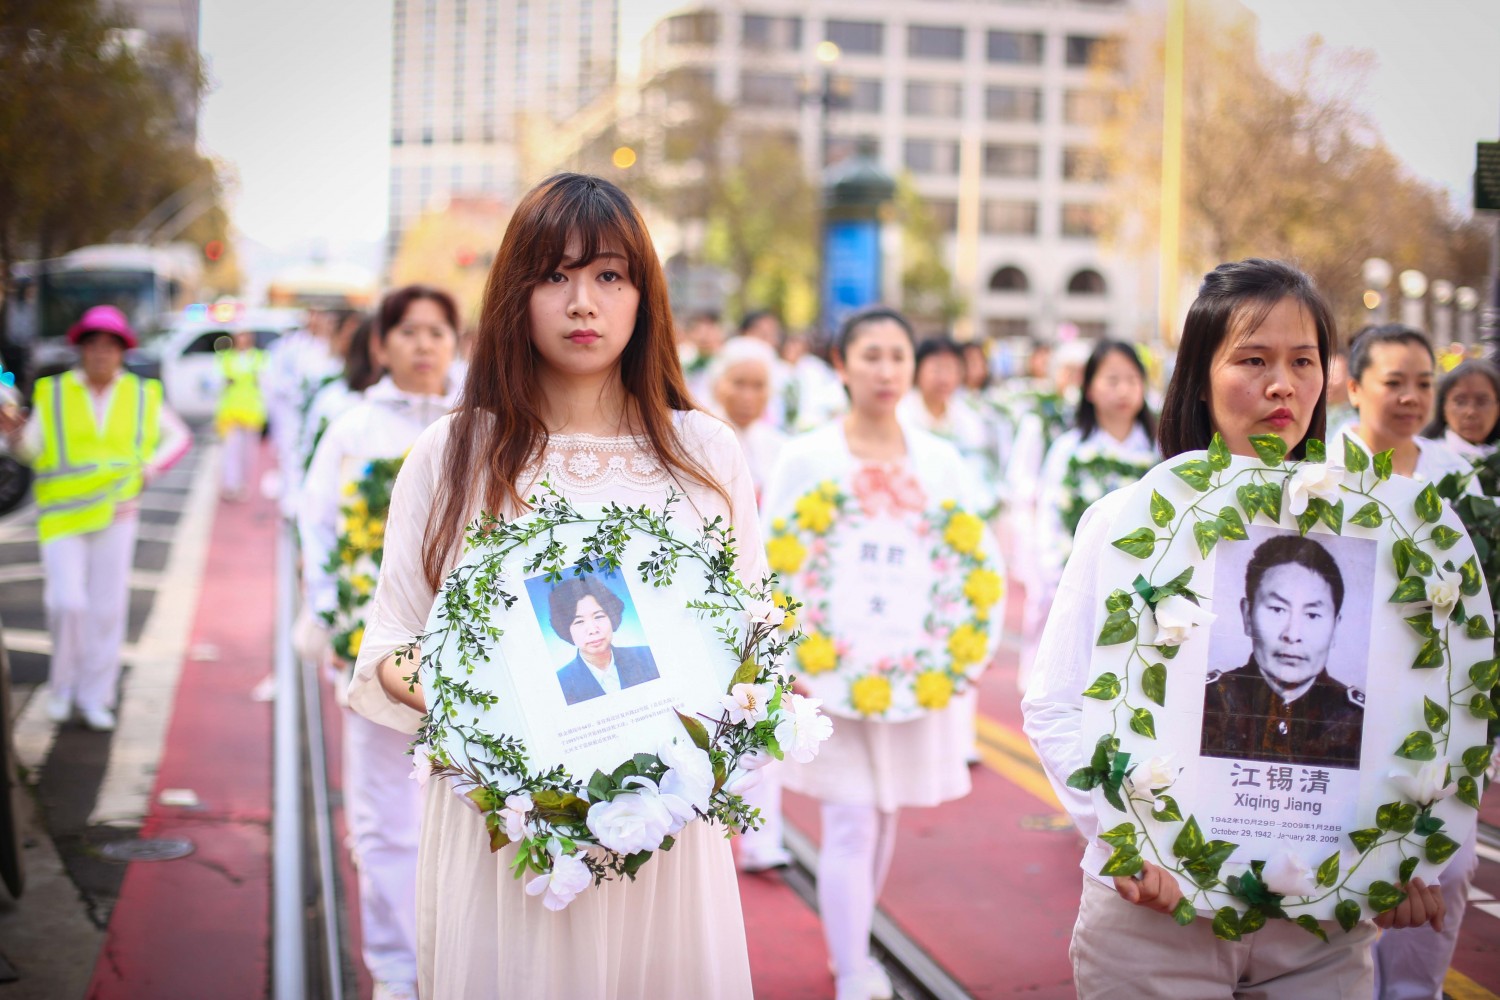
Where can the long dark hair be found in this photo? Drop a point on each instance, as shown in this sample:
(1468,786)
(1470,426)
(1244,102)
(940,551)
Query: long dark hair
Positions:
(1087,418)
(1235,299)
(1449,382)
(497,428)
(360,369)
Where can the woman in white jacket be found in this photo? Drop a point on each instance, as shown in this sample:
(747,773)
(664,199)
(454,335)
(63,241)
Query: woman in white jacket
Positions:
(416,341)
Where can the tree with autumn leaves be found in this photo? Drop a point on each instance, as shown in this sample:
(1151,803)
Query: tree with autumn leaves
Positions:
(1277,162)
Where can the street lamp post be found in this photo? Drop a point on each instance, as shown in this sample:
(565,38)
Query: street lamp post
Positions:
(1377,274)
(1413,309)
(1442,313)
(1467,300)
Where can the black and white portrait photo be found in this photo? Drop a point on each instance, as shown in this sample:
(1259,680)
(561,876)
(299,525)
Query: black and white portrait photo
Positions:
(1288,650)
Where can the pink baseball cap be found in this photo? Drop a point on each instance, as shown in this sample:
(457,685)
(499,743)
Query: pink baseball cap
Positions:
(103,319)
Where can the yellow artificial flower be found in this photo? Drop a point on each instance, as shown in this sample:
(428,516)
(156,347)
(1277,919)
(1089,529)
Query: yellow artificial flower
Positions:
(362,584)
(949,504)
(815,513)
(355,639)
(781,600)
(870,695)
(964,532)
(829,489)
(351,488)
(785,554)
(933,688)
(967,644)
(816,653)
(778,525)
(983,588)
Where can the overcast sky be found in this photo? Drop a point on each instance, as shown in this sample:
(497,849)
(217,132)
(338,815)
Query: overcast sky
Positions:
(300,100)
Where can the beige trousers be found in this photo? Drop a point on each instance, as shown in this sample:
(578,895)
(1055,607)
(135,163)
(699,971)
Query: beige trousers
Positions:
(1125,952)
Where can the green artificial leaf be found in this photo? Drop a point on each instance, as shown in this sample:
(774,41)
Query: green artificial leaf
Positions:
(1118,627)
(1428,824)
(1469,578)
(1468,791)
(1083,779)
(1183,912)
(1435,715)
(1162,510)
(695,730)
(1430,655)
(1227,924)
(1481,706)
(1177,585)
(1356,459)
(1139,543)
(1167,810)
(1118,600)
(1397,816)
(1477,759)
(1142,723)
(1328,871)
(1384,464)
(1271,500)
(1316,451)
(1422,625)
(1231,526)
(1440,848)
(1401,555)
(1309,516)
(1195,472)
(1332,515)
(1428,505)
(1252,920)
(1485,674)
(1384,896)
(1368,516)
(1218,453)
(634,862)
(1363,840)
(1123,862)
(1408,866)
(746,673)
(1189,843)
(1270,448)
(1207,534)
(1347,914)
(1106,687)
(1445,537)
(1120,836)
(1417,746)
(1154,682)
(1410,590)
(1167,652)
(1309,923)
(1422,562)
(1478,628)
(1249,497)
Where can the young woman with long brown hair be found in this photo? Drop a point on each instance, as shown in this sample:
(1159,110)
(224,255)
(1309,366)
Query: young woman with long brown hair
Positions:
(574,379)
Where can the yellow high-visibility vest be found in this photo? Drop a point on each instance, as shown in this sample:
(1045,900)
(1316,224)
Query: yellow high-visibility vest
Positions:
(85,470)
(241,404)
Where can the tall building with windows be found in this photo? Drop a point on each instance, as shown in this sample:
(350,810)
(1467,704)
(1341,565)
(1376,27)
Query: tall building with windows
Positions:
(988,105)
(471,77)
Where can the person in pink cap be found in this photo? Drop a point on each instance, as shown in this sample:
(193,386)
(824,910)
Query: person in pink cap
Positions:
(95,435)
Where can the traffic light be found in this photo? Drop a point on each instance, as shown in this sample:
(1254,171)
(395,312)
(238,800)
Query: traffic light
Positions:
(213,250)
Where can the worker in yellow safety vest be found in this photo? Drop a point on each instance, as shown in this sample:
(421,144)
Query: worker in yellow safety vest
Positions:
(95,435)
(241,414)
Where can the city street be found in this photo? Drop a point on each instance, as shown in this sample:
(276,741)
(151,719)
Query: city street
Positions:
(191,761)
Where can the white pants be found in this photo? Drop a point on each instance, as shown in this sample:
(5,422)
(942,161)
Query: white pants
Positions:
(765,842)
(1411,964)
(383,807)
(855,857)
(239,458)
(87,596)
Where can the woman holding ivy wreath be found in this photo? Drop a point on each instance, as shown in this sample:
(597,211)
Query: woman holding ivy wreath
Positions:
(870,769)
(1253,360)
(574,379)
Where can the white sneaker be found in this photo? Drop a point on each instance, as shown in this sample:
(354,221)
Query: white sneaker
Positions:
(59,710)
(394,991)
(761,861)
(878,982)
(100,720)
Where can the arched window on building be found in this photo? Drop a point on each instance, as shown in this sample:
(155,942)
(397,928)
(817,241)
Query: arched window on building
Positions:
(1009,279)
(1087,282)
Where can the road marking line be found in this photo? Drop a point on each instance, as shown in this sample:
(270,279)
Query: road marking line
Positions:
(1460,987)
(150,686)
(1009,755)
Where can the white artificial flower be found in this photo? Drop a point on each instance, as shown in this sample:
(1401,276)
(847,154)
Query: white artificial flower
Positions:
(764,613)
(569,876)
(1174,620)
(1430,784)
(800,727)
(1442,594)
(689,780)
(514,815)
(747,702)
(1288,875)
(1149,775)
(421,767)
(1313,480)
(634,821)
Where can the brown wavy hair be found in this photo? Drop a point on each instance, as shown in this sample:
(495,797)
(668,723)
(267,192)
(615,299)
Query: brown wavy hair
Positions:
(497,428)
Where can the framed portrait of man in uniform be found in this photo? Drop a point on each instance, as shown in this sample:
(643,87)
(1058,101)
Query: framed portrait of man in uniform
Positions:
(1289,648)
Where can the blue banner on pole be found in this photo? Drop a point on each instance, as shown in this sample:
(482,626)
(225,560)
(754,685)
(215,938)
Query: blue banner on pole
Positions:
(851,268)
